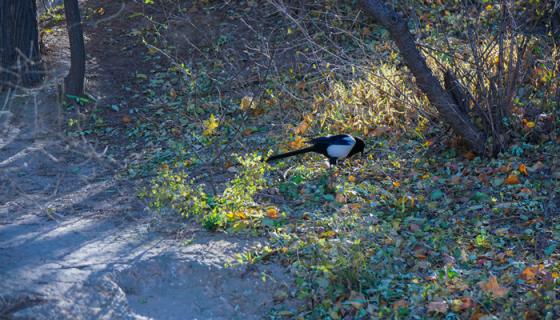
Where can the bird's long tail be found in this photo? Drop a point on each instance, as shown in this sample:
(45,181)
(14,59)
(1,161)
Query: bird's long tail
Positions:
(291,153)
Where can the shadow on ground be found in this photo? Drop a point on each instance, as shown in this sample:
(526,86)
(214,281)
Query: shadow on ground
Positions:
(75,243)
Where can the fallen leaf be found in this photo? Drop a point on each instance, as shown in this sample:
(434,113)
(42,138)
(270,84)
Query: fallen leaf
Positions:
(420,252)
(396,184)
(537,166)
(529,274)
(512,179)
(493,287)
(247,132)
(340,198)
(173,93)
(505,168)
(523,169)
(126,119)
(297,143)
(483,177)
(245,103)
(301,85)
(455,180)
(236,215)
(272,213)
(438,306)
(531,315)
(529,124)
(462,304)
(327,234)
(304,125)
(478,315)
(228,164)
(379,131)
(470,155)
(352,178)
(357,300)
(210,125)
(400,304)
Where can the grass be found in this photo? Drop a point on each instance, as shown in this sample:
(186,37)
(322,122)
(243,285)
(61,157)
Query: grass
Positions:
(419,228)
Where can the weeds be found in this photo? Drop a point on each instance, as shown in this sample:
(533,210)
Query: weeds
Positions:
(235,207)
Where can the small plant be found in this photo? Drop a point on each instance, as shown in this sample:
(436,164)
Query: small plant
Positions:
(236,206)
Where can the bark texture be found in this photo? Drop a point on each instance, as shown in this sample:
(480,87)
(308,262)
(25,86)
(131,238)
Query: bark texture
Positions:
(426,81)
(20,59)
(74,81)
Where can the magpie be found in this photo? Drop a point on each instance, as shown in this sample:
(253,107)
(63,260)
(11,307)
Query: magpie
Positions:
(334,148)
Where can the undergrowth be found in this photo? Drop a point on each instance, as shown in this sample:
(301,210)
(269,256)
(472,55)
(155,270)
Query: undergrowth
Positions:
(235,208)
(421,227)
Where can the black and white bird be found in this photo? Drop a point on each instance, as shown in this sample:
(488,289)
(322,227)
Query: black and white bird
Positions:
(335,148)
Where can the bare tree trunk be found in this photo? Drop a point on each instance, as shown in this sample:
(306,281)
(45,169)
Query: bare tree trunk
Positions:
(74,81)
(427,82)
(20,59)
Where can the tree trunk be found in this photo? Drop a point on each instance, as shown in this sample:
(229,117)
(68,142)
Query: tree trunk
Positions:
(20,60)
(427,82)
(74,81)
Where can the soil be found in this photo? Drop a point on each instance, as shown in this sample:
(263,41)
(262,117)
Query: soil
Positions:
(75,241)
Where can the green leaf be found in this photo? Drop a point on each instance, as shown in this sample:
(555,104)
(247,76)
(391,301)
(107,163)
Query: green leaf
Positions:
(550,249)
(437,195)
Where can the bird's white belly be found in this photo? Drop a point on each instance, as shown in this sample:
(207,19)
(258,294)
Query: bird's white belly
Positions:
(338,151)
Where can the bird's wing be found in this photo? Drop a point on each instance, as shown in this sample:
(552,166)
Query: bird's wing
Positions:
(339,139)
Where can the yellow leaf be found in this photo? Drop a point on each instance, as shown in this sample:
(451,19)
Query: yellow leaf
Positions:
(297,143)
(240,215)
(529,124)
(210,125)
(493,287)
(272,213)
(327,234)
(246,103)
(396,184)
(489,7)
(101,11)
(352,178)
(523,169)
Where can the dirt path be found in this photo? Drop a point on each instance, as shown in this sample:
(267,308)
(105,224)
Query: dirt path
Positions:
(76,244)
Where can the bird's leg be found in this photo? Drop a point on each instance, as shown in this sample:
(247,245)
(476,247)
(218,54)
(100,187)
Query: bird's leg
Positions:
(333,172)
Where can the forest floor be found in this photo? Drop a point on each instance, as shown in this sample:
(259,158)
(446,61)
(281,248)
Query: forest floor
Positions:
(75,241)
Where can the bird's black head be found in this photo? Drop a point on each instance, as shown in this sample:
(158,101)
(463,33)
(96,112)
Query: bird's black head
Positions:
(358,147)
